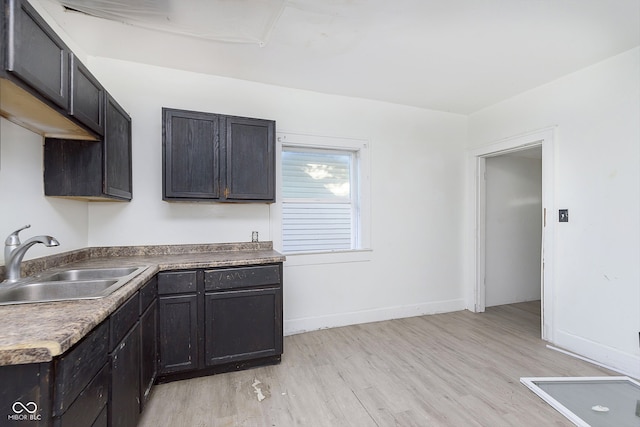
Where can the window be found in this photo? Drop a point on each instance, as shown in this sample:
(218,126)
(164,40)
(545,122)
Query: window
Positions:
(321,198)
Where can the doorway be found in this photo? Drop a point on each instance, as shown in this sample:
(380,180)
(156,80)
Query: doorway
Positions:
(542,144)
(513,227)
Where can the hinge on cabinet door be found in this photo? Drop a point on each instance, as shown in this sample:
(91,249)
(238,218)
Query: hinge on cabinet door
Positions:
(544,218)
(226,192)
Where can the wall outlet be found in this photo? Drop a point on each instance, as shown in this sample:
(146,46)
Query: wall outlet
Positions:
(254,236)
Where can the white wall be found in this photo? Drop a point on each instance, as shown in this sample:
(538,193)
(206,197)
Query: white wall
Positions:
(22,196)
(597,177)
(513,229)
(417,158)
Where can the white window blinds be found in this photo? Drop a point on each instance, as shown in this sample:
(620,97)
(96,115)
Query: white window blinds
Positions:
(319,211)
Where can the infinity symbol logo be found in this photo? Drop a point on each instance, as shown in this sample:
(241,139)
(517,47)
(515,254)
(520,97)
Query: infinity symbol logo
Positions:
(19,407)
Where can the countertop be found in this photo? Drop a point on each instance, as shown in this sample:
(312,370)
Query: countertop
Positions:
(33,333)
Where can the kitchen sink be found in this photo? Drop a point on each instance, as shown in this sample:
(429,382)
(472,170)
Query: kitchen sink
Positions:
(65,285)
(90,274)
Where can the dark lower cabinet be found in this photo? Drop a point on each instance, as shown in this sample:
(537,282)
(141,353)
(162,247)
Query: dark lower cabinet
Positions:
(101,421)
(124,359)
(21,385)
(124,393)
(101,381)
(181,324)
(178,332)
(81,380)
(230,318)
(88,407)
(148,351)
(242,325)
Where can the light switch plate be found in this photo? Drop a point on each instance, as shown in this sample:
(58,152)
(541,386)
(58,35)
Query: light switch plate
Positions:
(563,215)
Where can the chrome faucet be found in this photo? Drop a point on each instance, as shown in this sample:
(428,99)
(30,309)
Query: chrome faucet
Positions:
(14,252)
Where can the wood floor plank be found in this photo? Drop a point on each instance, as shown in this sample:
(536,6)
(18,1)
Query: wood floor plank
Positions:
(453,369)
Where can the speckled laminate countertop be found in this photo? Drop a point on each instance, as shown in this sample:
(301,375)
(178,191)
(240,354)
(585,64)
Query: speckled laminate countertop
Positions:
(33,333)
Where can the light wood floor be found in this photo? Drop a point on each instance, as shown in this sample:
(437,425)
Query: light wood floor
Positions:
(454,369)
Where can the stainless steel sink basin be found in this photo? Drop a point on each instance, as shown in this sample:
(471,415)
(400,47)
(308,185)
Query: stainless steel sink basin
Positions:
(90,274)
(72,284)
(56,291)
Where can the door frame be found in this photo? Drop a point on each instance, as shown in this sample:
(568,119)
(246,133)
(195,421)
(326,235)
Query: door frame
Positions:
(476,233)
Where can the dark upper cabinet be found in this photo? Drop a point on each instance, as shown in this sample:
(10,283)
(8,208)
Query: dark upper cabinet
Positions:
(92,170)
(36,76)
(117,152)
(36,54)
(213,157)
(87,97)
(250,158)
(46,89)
(191,155)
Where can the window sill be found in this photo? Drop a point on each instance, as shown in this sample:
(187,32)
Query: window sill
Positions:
(329,257)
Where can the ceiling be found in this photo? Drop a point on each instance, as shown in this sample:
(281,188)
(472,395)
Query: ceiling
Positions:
(449,55)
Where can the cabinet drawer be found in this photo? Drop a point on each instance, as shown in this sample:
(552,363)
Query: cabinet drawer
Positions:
(75,369)
(148,293)
(123,319)
(89,404)
(178,282)
(244,277)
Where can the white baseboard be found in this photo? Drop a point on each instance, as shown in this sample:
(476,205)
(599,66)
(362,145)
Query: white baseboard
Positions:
(306,324)
(625,363)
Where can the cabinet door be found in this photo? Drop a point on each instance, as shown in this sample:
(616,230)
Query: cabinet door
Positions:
(29,385)
(117,152)
(191,155)
(242,325)
(148,352)
(36,54)
(124,393)
(90,404)
(87,97)
(76,368)
(178,344)
(250,159)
